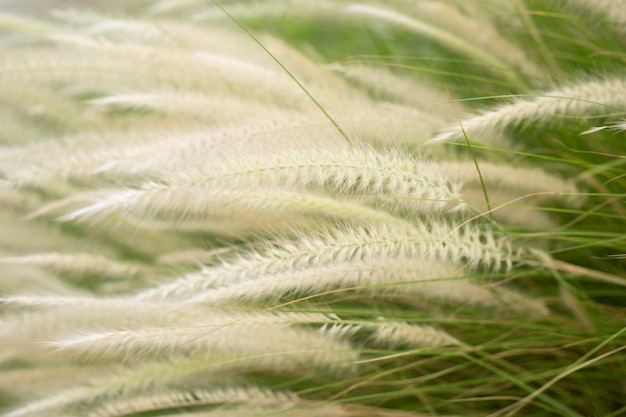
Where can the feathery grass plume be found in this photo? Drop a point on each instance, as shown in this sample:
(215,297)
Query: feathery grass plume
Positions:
(472,38)
(436,242)
(407,335)
(390,86)
(516,192)
(617,127)
(400,279)
(21,383)
(585,99)
(23,278)
(266,335)
(189,398)
(203,192)
(525,180)
(79,264)
(77,403)
(229,208)
(221,108)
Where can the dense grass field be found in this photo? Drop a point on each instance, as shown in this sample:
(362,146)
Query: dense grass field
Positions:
(399,208)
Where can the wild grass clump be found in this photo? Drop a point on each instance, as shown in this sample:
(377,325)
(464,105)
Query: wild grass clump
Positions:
(328,208)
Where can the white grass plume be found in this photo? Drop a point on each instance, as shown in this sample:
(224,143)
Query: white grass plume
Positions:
(47,318)
(174,398)
(220,108)
(515,179)
(223,211)
(401,334)
(348,172)
(79,263)
(434,242)
(400,279)
(446,36)
(204,70)
(585,99)
(21,383)
(202,371)
(266,335)
(80,401)
(617,127)
(395,87)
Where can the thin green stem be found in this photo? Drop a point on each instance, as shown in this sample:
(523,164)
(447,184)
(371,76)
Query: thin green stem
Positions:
(282,66)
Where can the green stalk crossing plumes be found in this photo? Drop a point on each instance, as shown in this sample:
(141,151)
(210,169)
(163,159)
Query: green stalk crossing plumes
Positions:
(296,208)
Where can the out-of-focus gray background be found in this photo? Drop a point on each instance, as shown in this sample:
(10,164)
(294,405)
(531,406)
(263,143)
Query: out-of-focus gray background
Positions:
(44,7)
